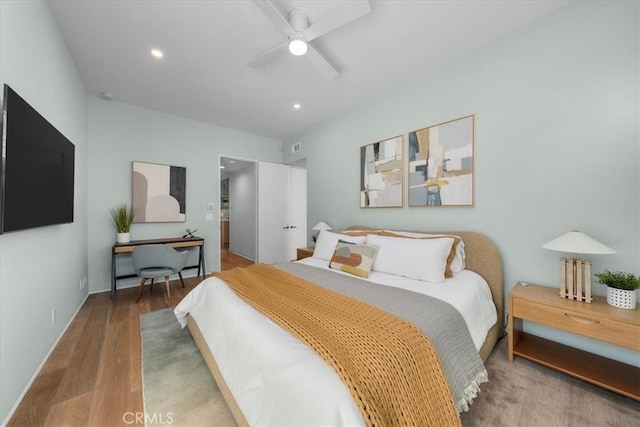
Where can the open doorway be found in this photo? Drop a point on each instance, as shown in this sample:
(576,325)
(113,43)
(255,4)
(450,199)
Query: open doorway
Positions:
(263,211)
(238,212)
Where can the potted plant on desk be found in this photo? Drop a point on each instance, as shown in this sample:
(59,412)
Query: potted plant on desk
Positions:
(122,218)
(621,288)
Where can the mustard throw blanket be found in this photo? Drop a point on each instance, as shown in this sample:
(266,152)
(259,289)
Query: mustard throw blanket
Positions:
(389,366)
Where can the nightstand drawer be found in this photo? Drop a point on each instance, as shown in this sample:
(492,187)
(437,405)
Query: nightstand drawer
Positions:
(619,333)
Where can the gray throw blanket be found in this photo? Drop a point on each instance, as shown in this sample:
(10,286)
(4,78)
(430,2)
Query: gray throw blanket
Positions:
(438,320)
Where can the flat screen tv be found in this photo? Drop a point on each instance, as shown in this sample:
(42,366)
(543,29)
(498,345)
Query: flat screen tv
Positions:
(36,172)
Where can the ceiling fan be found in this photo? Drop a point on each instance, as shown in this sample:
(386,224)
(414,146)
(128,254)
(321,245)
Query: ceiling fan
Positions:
(299,32)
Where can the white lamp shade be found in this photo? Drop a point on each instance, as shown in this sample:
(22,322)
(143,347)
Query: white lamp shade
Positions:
(297,46)
(577,243)
(321,226)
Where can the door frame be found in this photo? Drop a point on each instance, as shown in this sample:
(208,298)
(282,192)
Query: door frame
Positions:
(301,163)
(219,204)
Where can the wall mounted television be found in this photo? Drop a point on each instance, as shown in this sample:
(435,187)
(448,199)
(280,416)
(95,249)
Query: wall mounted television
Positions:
(36,169)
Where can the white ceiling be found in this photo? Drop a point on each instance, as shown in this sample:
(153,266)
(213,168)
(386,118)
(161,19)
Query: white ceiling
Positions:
(208,43)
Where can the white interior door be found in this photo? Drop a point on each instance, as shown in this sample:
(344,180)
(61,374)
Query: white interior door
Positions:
(273,213)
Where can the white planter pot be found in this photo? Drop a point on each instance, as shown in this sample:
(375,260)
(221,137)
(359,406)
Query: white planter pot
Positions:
(123,237)
(621,298)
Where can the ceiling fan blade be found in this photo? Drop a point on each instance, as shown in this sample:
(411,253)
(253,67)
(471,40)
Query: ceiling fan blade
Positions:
(321,63)
(345,13)
(269,55)
(272,12)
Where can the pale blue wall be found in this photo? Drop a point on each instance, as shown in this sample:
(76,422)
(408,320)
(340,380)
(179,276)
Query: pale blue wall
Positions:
(557,144)
(40,268)
(121,133)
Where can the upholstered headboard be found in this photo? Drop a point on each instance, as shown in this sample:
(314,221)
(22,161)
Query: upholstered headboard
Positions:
(482,257)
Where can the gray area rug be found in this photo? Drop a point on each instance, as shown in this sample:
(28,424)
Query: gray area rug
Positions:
(177,380)
(178,389)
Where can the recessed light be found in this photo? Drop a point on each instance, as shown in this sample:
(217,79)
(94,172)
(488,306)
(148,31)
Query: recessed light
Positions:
(221,167)
(297,106)
(157,53)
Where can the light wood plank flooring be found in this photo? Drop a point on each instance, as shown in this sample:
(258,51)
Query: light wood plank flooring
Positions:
(93,376)
(229,260)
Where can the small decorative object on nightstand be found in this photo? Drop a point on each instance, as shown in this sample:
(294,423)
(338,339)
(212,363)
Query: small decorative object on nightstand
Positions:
(621,288)
(575,273)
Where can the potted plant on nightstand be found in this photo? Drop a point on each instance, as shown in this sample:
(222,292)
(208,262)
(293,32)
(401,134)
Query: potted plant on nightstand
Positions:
(122,218)
(621,288)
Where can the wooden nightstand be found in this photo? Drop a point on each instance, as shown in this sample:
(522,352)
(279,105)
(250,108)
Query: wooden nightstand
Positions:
(304,252)
(598,320)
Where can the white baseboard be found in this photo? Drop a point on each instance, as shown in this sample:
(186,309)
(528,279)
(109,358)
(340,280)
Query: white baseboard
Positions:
(137,283)
(243,256)
(46,357)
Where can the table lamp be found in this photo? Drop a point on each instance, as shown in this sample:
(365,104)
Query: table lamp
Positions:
(318,227)
(575,273)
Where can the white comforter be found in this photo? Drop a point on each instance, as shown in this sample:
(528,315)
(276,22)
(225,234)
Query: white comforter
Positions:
(276,379)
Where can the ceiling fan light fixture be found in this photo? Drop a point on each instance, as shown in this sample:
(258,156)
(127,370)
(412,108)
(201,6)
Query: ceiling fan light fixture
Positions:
(297,45)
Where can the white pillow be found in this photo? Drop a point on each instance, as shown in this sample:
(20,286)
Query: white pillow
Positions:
(327,241)
(458,263)
(414,258)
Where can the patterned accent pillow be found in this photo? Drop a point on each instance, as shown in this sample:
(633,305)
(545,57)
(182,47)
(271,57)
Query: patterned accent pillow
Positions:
(352,258)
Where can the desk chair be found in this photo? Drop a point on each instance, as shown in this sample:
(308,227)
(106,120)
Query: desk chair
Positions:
(155,261)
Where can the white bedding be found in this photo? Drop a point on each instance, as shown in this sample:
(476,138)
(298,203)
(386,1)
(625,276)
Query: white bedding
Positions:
(276,379)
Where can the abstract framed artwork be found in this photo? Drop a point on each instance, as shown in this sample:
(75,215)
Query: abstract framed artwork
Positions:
(381,174)
(159,193)
(441,164)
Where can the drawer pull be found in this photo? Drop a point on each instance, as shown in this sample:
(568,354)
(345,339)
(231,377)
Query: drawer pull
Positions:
(580,319)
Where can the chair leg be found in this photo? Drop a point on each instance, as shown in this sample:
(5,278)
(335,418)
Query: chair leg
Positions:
(141,289)
(151,287)
(181,279)
(166,280)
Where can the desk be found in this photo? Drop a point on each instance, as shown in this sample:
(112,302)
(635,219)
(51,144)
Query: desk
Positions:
(175,242)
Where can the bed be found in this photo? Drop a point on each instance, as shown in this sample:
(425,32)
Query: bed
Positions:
(269,377)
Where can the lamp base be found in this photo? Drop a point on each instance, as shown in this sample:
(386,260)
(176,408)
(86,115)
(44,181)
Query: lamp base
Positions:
(575,279)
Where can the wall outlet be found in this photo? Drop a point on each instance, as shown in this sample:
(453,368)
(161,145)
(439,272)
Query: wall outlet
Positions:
(53,316)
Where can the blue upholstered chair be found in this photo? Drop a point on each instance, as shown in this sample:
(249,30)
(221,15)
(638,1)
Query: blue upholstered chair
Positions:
(156,261)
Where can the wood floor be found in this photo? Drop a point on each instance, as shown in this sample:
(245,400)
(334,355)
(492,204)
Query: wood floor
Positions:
(230,260)
(93,376)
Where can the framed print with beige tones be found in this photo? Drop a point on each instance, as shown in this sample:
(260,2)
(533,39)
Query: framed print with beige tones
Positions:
(159,193)
(381,174)
(441,164)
